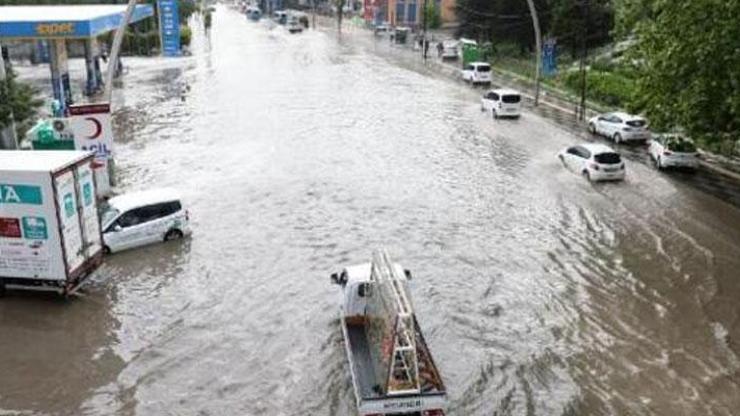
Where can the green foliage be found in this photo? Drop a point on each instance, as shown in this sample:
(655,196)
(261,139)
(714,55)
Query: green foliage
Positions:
(18,99)
(572,20)
(688,62)
(185,35)
(432,14)
(605,87)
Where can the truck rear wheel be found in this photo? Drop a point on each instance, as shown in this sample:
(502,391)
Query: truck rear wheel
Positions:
(2,288)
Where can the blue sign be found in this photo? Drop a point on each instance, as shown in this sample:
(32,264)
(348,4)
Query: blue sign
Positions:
(169,27)
(549,58)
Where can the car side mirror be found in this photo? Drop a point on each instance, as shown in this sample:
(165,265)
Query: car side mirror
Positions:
(365,290)
(117,228)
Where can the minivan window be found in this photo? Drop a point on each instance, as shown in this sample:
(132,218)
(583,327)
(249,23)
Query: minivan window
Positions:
(636,123)
(511,98)
(608,158)
(131,218)
(493,96)
(484,68)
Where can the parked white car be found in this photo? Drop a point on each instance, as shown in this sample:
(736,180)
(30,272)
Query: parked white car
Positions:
(141,218)
(597,162)
(502,103)
(477,73)
(673,150)
(448,49)
(620,127)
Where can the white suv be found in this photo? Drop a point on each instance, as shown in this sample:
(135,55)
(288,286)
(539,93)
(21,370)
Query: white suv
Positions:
(620,127)
(142,218)
(502,103)
(672,150)
(597,162)
(477,73)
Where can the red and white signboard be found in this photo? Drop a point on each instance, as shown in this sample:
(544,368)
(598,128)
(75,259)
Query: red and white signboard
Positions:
(93,131)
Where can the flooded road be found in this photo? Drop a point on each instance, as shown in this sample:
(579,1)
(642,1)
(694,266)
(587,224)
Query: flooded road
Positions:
(539,293)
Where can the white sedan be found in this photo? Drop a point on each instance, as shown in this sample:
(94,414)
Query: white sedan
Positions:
(672,150)
(620,127)
(596,162)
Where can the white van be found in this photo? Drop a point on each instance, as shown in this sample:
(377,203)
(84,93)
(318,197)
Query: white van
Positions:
(502,103)
(141,218)
(477,73)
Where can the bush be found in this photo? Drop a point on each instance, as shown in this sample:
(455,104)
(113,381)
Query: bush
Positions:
(608,88)
(185,35)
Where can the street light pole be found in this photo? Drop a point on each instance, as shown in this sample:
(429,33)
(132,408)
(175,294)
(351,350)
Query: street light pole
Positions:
(115,49)
(538,53)
(8,139)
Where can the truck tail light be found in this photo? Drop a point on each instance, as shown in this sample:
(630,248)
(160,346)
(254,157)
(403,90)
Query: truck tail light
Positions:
(434,412)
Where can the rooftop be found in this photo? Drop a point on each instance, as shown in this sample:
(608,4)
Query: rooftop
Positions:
(57,21)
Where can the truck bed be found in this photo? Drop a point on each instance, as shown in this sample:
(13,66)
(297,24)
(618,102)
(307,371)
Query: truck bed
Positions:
(363,366)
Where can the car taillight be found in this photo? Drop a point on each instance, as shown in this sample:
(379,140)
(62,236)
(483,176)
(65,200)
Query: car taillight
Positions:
(621,167)
(187,215)
(434,412)
(626,128)
(594,166)
(499,104)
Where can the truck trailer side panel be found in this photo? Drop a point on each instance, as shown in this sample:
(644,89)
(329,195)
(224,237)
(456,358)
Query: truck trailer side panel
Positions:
(29,232)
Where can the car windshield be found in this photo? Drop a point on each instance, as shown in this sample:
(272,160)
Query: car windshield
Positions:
(608,158)
(636,123)
(680,146)
(484,68)
(511,98)
(109,214)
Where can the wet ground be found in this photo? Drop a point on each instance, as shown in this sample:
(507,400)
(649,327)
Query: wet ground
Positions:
(539,293)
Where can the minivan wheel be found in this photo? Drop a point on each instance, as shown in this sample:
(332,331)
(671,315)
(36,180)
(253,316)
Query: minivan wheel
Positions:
(617,138)
(173,235)
(587,175)
(2,288)
(106,250)
(494,114)
(659,163)
(592,128)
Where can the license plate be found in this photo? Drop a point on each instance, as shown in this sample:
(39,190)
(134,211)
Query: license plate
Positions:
(611,169)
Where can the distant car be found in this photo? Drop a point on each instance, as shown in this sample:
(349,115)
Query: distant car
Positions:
(381,29)
(477,73)
(620,127)
(294,26)
(448,49)
(673,150)
(502,103)
(141,218)
(597,162)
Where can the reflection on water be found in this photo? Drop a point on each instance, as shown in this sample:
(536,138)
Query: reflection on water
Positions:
(539,293)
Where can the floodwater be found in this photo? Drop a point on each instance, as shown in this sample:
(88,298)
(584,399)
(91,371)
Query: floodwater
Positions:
(539,293)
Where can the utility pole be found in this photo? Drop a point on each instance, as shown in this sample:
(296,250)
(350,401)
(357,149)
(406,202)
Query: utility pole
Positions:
(8,139)
(313,16)
(424,32)
(538,53)
(585,6)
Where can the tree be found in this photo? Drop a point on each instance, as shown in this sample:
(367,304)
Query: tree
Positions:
(574,19)
(432,14)
(18,99)
(688,64)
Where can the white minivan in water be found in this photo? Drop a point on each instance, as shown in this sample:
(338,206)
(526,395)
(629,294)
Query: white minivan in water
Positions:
(502,103)
(477,73)
(596,162)
(141,218)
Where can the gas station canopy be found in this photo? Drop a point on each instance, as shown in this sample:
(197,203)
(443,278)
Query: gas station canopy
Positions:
(65,22)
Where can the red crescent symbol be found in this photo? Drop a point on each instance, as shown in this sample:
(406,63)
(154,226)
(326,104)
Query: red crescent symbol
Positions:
(98,128)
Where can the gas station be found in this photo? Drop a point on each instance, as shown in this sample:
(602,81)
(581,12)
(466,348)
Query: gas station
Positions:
(55,25)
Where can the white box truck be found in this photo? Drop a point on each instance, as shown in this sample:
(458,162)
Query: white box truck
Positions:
(49,223)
